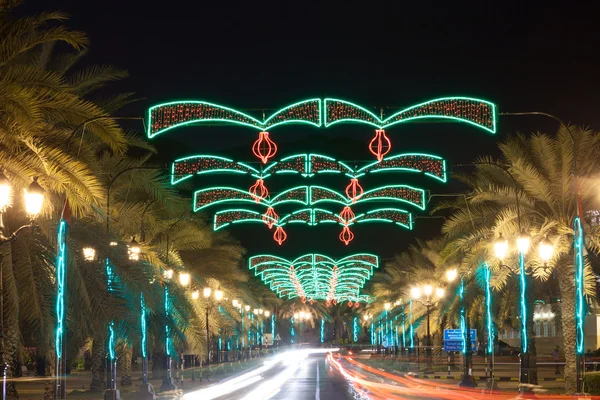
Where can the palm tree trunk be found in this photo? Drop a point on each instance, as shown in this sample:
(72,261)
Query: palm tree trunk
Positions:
(566,283)
(98,364)
(11,346)
(49,385)
(126,365)
(438,341)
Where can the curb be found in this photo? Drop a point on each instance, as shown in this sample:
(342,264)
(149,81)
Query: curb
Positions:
(483,378)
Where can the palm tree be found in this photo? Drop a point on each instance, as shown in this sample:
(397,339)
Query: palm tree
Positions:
(542,166)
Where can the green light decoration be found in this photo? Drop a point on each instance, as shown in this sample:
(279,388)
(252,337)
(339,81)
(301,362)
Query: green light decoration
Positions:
(313,217)
(217,195)
(167,116)
(355,330)
(310,195)
(523,303)
(410,320)
(60,286)
(579,246)
(488,309)
(477,112)
(402,193)
(322,330)
(308,165)
(143,327)
(110,284)
(292,333)
(316,277)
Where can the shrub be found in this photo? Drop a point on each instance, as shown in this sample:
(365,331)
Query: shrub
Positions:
(591,382)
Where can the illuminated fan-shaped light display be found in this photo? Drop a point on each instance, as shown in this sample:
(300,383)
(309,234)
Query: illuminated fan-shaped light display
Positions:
(316,277)
(478,112)
(217,195)
(309,195)
(474,111)
(164,117)
(307,165)
(402,193)
(312,217)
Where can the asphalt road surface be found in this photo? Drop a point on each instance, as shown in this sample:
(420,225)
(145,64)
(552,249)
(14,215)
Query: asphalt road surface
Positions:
(303,377)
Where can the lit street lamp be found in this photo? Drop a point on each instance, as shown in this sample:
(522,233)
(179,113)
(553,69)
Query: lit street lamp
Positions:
(428,304)
(134,250)
(218,296)
(89,253)
(34,200)
(528,375)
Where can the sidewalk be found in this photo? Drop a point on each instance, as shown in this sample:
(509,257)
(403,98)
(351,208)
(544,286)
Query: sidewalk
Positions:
(507,378)
(78,383)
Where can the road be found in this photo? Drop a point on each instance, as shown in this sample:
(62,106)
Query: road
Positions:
(297,375)
(315,374)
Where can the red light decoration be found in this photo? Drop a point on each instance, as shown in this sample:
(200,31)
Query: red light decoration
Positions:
(346,236)
(347,216)
(350,304)
(354,191)
(334,302)
(303,299)
(264,148)
(328,303)
(270,217)
(311,301)
(279,236)
(258,190)
(356,304)
(380,145)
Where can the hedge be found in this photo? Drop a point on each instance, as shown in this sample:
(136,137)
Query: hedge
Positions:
(591,382)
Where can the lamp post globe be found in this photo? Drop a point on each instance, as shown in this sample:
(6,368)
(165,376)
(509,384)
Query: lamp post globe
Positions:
(34,198)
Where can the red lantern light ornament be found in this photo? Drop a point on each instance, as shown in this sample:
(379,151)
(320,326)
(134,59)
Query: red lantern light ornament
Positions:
(350,304)
(380,145)
(270,217)
(279,236)
(264,148)
(346,236)
(356,304)
(354,191)
(259,190)
(346,216)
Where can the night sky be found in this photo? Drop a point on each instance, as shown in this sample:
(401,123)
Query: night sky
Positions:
(378,54)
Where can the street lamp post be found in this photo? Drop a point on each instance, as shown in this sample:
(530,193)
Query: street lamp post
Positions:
(427,290)
(218,296)
(111,370)
(528,374)
(34,200)
(467,379)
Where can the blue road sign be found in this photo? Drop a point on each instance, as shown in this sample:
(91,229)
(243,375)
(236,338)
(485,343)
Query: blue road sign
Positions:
(456,345)
(456,335)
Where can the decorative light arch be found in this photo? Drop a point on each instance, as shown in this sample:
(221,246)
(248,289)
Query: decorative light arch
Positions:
(310,195)
(477,112)
(308,165)
(316,277)
(317,112)
(167,116)
(313,217)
